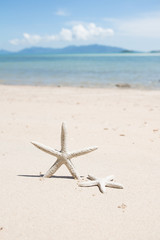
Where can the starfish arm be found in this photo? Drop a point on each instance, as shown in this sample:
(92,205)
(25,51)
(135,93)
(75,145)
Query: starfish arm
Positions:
(91,177)
(71,168)
(88,184)
(81,152)
(63,138)
(53,169)
(47,149)
(113,185)
(102,187)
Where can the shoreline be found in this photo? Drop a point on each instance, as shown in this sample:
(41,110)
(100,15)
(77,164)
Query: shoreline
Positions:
(97,72)
(121,86)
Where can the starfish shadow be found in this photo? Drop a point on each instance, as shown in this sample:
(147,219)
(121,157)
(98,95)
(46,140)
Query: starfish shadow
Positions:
(34,176)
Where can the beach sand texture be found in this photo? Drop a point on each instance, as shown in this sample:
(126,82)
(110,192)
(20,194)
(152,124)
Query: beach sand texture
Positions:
(123,123)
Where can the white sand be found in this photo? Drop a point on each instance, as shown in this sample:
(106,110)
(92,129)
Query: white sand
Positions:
(125,124)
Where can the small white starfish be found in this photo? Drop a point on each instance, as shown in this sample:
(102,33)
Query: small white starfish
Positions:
(63,156)
(101,183)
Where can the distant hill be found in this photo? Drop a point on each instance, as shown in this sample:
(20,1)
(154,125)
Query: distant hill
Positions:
(4,52)
(129,51)
(87,49)
(73,49)
(155,51)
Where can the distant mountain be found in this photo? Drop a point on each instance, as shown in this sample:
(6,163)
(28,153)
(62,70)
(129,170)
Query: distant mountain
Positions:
(86,49)
(73,49)
(128,51)
(37,50)
(92,49)
(155,51)
(4,52)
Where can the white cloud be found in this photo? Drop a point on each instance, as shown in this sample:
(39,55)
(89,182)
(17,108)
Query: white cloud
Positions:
(86,32)
(146,25)
(78,32)
(49,38)
(27,38)
(62,13)
(15,41)
(32,39)
(66,34)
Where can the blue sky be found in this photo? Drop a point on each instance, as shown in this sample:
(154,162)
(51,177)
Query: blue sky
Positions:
(58,23)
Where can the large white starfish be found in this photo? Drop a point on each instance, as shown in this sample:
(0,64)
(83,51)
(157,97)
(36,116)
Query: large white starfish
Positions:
(101,183)
(63,156)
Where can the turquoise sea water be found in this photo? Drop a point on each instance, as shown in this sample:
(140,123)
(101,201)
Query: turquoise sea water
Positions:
(88,70)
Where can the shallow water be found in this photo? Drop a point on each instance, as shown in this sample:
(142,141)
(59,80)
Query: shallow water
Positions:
(88,70)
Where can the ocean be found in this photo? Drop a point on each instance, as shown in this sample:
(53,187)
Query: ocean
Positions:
(85,70)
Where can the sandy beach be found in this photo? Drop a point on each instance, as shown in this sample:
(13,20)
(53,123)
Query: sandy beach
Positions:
(123,123)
